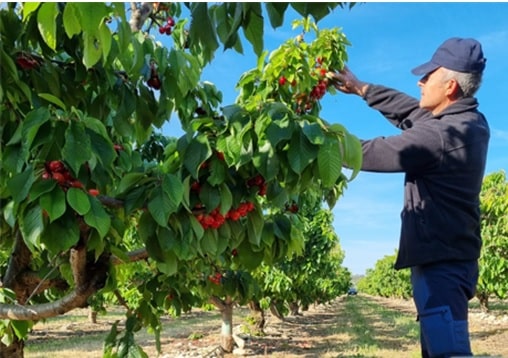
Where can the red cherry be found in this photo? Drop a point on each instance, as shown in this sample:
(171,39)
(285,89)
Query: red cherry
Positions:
(171,21)
(154,82)
(59,177)
(76,184)
(56,166)
(93,192)
(282,80)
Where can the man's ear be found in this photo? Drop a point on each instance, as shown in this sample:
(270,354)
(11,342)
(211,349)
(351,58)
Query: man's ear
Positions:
(453,89)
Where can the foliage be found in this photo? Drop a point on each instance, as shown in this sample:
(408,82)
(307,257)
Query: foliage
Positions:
(83,91)
(316,275)
(493,278)
(383,280)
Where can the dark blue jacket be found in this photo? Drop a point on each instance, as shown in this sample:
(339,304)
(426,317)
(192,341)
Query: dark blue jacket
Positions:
(443,158)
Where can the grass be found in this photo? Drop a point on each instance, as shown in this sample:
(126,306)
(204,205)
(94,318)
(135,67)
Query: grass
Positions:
(351,326)
(369,330)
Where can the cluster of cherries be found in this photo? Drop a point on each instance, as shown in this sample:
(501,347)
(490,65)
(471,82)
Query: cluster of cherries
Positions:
(215,219)
(57,171)
(258,181)
(317,92)
(216,278)
(168,27)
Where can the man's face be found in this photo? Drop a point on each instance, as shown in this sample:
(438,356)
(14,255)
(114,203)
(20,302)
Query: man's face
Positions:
(433,89)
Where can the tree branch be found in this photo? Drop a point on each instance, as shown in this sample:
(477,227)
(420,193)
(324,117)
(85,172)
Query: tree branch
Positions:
(133,256)
(77,298)
(139,15)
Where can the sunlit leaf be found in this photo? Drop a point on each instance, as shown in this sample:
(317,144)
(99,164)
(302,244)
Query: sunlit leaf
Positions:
(46,21)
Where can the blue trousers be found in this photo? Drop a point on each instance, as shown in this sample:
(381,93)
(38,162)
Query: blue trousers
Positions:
(441,293)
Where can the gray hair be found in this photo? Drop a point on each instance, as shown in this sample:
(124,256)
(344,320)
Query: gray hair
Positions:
(469,83)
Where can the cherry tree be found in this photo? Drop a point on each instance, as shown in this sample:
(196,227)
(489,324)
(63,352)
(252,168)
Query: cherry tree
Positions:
(84,87)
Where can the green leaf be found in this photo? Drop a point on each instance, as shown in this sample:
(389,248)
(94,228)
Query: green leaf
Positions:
(353,155)
(53,203)
(196,153)
(202,31)
(33,121)
(279,131)
(28,8)
(129,180)
(31,226)
(329,162)
(9,214)
(267,161)
(301,153)
(19,185)
(98,218)
(21,328)
(46,21)
(77,149)
(161,206)
(313,132)
(92,49)
(78,200)
(255,224)
(170,265)
(209,243)
(248,258)
(53,99)
(102,148)
(253,26)
(210,196)
(105,39)
(276,12)
(61,235)
(92,14)
(174,188)
(71,21)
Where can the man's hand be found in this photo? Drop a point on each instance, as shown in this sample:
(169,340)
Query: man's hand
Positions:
(345,81)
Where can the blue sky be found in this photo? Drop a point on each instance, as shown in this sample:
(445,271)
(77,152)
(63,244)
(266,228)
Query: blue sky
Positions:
(387,41)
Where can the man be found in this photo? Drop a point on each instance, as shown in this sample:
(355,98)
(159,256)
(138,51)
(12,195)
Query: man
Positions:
(442,150)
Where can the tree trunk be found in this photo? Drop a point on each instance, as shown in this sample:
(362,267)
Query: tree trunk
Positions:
(483,298)
(226,339)
(258,315)
(294,309)
(226,309)
(13,350)
(92,315)
(275,311)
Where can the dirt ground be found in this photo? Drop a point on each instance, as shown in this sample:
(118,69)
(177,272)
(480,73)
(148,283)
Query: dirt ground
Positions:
(308,336)
(311,335)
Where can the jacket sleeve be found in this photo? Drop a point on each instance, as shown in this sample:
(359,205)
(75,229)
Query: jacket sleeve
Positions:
(399,108)
(417,147)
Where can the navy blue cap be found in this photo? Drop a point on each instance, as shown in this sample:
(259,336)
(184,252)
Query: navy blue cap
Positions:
(456,54)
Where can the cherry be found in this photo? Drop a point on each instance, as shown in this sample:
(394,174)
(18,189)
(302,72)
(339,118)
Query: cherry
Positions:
(93,192)
(154,82)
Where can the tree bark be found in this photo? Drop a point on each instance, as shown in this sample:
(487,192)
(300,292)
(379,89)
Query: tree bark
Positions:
(92,315)
(258,314)
(484,301)
(226,309)
(294,309)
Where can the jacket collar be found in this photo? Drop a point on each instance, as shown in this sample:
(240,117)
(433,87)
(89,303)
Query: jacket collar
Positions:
(462,105)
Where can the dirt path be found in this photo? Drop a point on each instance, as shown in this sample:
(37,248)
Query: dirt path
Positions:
(343,328)
(322,331)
